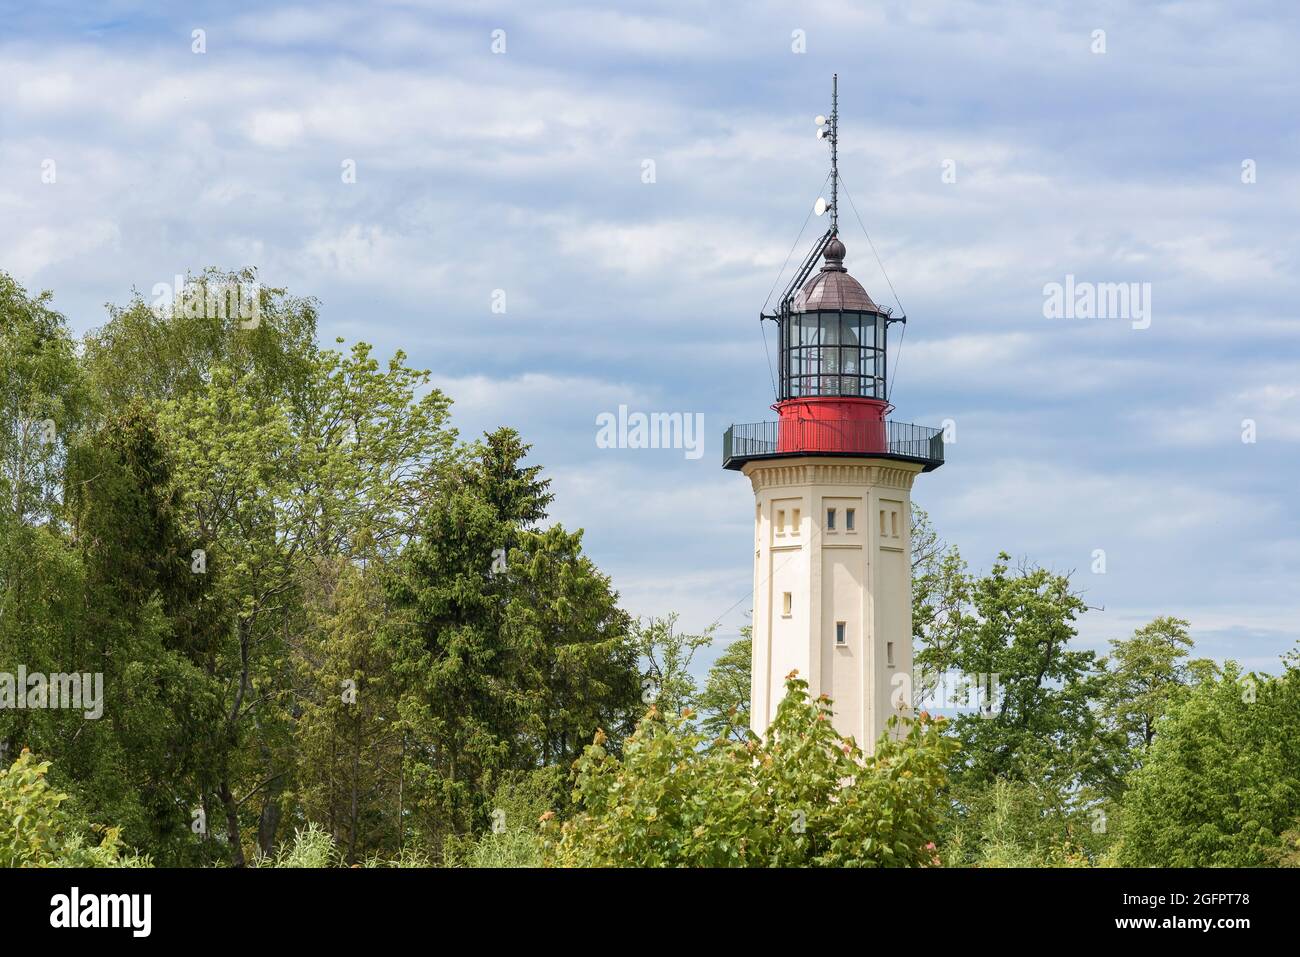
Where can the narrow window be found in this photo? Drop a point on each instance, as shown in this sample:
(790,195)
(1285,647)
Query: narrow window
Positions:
(795,520)
(830,519)
(889,653)
(893,524)
(780,521)
(786,603)
(882,523)
(841,638)
(849,516)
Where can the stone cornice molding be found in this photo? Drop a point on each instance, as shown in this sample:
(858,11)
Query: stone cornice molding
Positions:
(792,473)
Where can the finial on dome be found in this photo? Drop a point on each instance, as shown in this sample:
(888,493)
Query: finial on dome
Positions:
(834,254)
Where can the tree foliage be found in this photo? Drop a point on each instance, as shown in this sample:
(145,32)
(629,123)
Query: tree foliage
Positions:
(37,829)
(1220,785)
(801,796)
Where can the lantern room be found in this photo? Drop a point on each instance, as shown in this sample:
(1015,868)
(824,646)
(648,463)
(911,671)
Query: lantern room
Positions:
(833,341)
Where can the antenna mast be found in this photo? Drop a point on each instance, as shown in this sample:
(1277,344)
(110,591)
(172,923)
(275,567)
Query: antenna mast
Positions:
(827,130)
(835,165)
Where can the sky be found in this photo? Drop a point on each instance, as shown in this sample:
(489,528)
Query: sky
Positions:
(628,180)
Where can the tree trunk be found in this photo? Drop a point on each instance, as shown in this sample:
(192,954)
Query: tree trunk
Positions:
(232,824)
(269,822)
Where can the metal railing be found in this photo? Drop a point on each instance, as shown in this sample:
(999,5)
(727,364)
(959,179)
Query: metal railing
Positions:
(917,443)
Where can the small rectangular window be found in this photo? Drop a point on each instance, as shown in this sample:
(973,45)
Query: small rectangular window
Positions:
(889,653)
(849,516)
(830,519)
(893,524)
(780,521)
(787,603)
(794,518)
(841,636)
(882,523)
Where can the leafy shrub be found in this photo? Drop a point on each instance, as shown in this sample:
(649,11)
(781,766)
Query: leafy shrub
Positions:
(804,796)
(311,847)
(516,808)
(1221,782)
(1021,824)
(37,831)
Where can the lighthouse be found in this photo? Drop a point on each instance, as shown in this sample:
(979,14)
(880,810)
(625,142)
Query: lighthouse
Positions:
(832,479)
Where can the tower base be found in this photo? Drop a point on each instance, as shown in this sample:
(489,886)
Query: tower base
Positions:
(833,587)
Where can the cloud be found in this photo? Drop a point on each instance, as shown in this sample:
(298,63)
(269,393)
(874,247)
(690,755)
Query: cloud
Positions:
(522,172)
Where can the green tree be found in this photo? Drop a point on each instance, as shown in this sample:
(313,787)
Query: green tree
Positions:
(287,455)
(1017,633)
(508,641)
(1145,673)
(42,402)
(1220,784)
(349,737)
(42,831)
(802,796)
(724,702)
(151,626)
(666,655)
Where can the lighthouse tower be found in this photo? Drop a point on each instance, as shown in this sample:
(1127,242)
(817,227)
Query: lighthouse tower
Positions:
(832,480)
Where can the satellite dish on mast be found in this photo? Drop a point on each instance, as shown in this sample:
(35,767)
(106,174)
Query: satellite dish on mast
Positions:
(819,207)
(819,120)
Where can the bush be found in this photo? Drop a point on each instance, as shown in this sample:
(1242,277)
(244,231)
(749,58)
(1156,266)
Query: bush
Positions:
(1021,824)
(36,830)
(311,847)
(1221,783)
(516,808)
(804,796)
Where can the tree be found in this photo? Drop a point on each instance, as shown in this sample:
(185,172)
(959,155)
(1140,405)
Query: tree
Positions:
(1145,673)
(43,832)
(802,796)
(574,656)
(724,702)
(666,655)
(287,455)
(42,401)
(508,641)
(349,735)
(151,627)
(1220,785)
(1016,635)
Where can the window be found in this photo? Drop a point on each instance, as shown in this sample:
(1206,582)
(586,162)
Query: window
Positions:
(882,523)
(830,519)
(889,653)
(841,636)
(833,353)
(849,516)
(796,522)
(893,523)
(787,603)
(780,521)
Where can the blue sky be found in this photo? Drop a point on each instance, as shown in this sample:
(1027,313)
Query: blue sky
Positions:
(522,171)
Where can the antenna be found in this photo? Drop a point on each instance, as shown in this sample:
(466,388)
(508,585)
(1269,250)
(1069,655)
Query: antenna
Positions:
(829,130)
(835,139)
(826,130)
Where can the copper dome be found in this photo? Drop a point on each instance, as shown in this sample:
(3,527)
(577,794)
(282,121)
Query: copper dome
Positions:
(833,289)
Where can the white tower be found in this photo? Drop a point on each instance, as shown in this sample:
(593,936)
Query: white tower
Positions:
(832,483)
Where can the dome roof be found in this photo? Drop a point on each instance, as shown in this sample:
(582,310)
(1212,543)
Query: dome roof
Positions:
(833,288)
